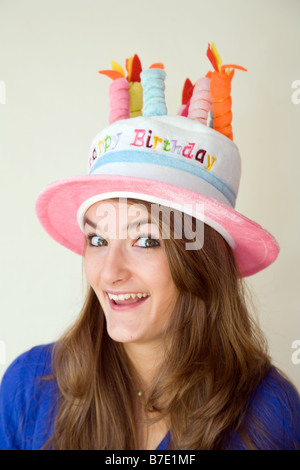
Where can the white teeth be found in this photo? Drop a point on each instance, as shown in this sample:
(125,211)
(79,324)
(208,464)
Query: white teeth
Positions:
(126,296)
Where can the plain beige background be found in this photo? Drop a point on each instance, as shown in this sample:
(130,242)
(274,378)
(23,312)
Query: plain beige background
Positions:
(55,102)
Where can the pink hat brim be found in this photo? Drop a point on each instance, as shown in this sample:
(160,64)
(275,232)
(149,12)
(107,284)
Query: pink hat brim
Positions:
(58,204)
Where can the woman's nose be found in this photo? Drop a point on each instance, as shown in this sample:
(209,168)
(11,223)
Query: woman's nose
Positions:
(115,268)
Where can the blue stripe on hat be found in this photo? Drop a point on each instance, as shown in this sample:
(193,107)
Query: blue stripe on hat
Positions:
(132,156)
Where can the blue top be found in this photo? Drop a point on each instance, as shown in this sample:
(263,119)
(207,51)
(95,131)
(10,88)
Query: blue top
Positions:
(28,406)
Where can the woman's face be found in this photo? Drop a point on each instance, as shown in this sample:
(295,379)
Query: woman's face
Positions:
(126,265)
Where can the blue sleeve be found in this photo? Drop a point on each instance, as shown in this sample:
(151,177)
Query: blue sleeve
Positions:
(273,416)
(24,400)
(9,410)
(278,406)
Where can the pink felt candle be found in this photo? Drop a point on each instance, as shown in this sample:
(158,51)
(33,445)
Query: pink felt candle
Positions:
(200,101)
(119,100)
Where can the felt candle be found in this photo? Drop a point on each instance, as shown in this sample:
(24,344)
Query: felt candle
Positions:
(135,99)
(119,100)
(134,69)
(118,93)
(154,91)
(200,102)
(220,89)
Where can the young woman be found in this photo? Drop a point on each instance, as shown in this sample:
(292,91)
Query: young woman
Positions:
(165,353)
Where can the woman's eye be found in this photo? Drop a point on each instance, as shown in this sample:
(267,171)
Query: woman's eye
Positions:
(95,240)
(147,242)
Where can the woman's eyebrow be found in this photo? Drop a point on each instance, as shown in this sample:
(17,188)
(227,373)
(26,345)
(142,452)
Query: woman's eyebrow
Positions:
(86,220)
(130,226)
(135,223)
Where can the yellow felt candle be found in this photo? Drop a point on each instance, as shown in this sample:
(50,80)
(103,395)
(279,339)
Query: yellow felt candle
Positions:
(135,99)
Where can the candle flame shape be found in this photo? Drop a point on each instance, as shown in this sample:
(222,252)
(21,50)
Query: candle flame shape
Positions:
(186,95)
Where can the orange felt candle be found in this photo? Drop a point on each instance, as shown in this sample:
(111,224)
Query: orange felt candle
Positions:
(220,89)
(220,86)
(220,107)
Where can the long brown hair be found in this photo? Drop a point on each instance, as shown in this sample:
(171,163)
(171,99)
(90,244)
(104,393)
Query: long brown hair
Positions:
(215,357)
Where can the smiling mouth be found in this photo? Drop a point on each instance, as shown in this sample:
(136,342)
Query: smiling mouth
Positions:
(128,298)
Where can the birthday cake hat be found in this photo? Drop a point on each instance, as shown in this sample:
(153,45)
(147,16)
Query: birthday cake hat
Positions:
(187,162)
